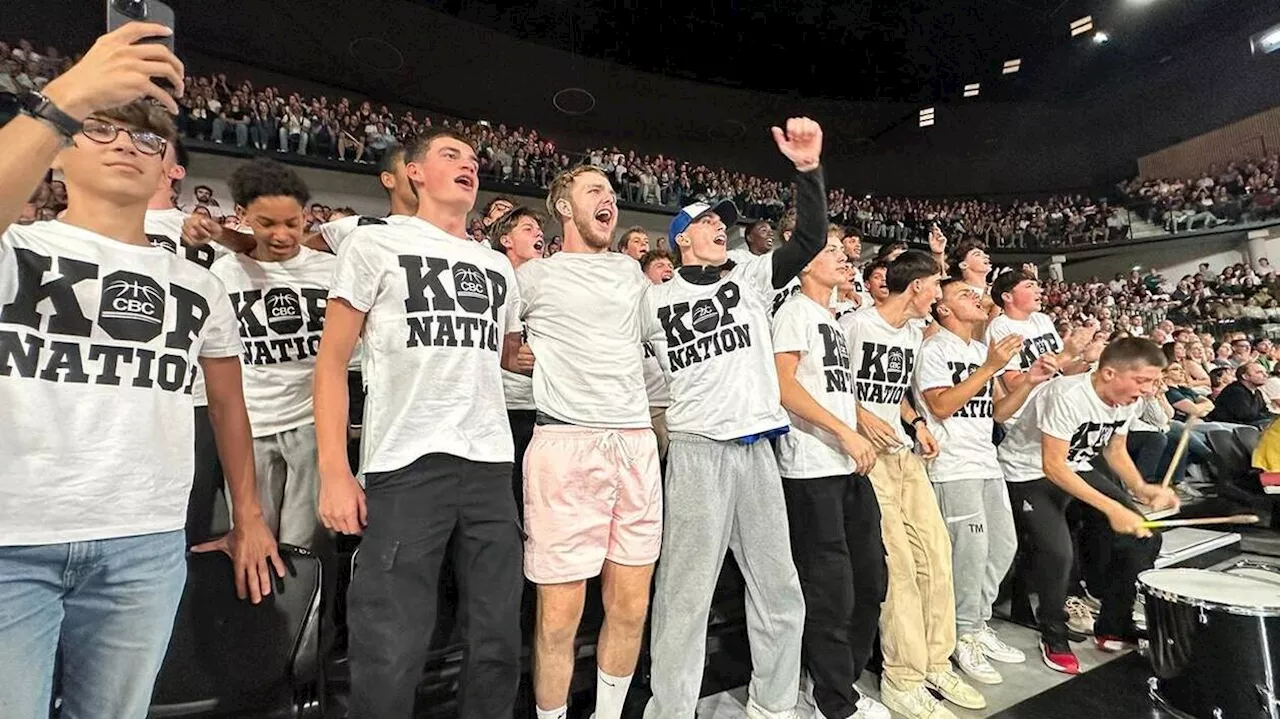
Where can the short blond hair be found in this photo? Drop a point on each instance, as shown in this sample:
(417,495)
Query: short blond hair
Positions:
(563,185)
(835,232)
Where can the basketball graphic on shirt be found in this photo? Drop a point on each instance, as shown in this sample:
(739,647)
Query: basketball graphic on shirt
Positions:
(284,311)
(896,365)
(704,316)
(472,288)
(131,307)
(167,243)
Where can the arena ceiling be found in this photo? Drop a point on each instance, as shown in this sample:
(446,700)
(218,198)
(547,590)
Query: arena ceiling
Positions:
(869,50)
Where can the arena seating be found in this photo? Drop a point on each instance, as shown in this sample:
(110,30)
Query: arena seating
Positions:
(276,120)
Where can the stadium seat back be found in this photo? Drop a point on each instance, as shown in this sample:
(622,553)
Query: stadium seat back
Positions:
(228,657)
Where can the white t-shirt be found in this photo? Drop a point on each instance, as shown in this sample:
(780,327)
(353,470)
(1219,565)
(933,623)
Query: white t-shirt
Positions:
(714,347)
(779,297)
(883,358)
(860,286)
(655,382)
(99,341)
(965,450)
(336,232)
(164,229)
(808,451)
(280,307)
(582,315)
(1039,338)
(438,309)
(1069,409)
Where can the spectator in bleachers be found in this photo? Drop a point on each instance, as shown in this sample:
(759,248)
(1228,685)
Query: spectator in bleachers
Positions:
(1241,402)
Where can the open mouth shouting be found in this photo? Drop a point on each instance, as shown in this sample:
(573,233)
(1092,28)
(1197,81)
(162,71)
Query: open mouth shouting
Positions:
(538,245)
(605,216)
(721,239)
(466,181)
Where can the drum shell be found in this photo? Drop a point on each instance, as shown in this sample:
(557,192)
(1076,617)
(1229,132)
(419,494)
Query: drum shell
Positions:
(1207,658)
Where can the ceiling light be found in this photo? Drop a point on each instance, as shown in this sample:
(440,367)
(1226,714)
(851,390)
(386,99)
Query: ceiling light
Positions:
(1266,41)
(971,90)
(1082,26)
(926,117)
(1100,38)
(1011,66)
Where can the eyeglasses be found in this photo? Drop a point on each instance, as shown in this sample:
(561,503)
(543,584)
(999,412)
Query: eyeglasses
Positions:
(104,133)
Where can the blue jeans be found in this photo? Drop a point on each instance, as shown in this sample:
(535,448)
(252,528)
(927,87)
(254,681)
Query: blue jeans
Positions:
(107,604)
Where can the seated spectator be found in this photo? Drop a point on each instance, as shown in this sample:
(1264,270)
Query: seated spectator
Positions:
(1148,434)
(1241,402)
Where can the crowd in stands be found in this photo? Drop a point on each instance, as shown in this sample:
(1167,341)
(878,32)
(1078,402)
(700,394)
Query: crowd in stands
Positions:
(1240,192)
(272,119)
(275,120)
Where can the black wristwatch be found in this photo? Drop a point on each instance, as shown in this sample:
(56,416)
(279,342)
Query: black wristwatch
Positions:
(918,419)
(42,108)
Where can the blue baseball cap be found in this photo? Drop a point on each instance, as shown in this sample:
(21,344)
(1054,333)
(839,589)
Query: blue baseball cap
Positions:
(727,211)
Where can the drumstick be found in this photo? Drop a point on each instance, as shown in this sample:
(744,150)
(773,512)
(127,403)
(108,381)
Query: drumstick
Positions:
(1233,519)
(1179,450)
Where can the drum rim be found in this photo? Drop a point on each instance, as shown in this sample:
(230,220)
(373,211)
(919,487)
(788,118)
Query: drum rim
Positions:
(1176,598)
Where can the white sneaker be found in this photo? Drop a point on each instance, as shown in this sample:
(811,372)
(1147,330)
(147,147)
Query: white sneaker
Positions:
(970,658)
(1079,617)
(869,708)
(916,703)
(955,690)
(995,648)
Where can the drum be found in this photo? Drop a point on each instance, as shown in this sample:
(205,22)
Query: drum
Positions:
(1215,642)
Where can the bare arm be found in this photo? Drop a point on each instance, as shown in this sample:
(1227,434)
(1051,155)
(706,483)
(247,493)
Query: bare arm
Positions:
(342,326)
(30,147)
(250,544)
(1056,470)
(946,401)
(796,400)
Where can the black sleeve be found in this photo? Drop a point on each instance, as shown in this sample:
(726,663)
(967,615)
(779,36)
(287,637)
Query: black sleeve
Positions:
(810,235)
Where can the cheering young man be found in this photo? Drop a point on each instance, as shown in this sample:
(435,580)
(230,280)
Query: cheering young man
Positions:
(1019,295)
(917,622)
(279,292)
(1046,458)
(100,334)
(437,314)
(593,491)
(710,328)
(955,386)
(831,508)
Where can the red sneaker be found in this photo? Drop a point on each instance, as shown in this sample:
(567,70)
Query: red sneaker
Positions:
(1059,657)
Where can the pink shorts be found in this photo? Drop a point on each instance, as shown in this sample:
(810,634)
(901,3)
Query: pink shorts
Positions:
(590,495)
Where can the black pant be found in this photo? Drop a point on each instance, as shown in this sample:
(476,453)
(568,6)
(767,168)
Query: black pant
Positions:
(839,556)
(522,421)
(1111,564)
(392,603)
(206,484)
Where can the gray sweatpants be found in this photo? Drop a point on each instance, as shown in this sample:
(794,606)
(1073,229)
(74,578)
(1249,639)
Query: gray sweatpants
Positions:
(288,471)
(724,495)
(983,542)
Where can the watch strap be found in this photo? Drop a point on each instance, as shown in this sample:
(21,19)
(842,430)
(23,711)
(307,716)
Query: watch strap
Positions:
(42,108)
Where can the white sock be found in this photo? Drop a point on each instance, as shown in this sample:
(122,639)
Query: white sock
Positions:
(560,713)
(611,692)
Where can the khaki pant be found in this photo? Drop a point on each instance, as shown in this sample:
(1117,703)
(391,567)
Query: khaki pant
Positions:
(918,619)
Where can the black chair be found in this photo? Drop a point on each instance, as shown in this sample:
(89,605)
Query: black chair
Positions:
(1232,466)
(230,658)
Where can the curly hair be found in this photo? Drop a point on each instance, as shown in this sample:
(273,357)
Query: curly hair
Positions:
(266,178)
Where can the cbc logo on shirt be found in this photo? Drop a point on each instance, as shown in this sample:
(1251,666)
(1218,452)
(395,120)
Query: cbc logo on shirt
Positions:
(131,307)
(284,312)
(473,289)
